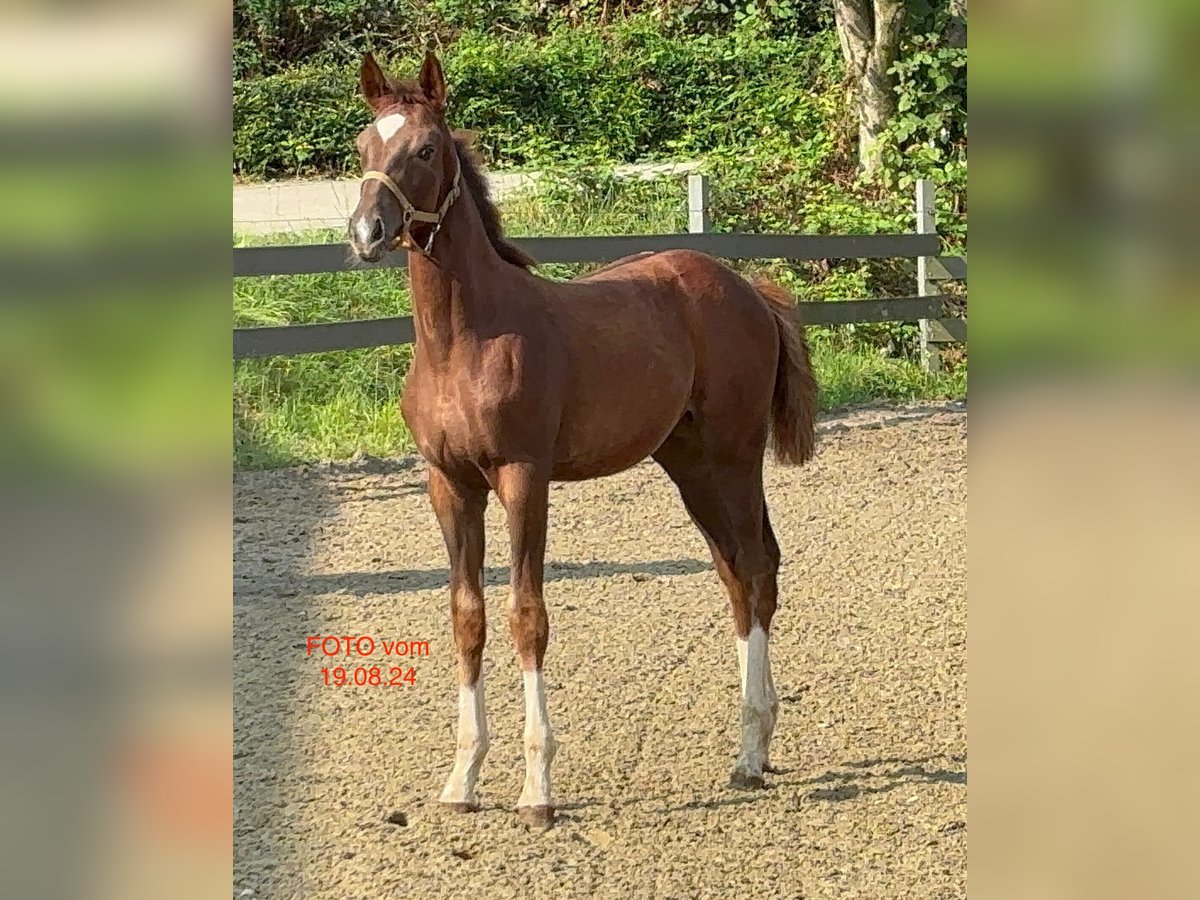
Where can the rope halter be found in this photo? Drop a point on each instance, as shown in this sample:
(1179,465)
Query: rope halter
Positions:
(411,213)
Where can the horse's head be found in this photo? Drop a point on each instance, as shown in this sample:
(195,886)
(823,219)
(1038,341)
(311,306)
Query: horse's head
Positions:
(410,164)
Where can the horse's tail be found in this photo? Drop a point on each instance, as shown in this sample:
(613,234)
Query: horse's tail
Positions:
(794,401)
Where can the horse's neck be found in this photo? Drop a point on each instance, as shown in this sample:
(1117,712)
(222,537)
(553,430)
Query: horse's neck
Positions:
(453,293)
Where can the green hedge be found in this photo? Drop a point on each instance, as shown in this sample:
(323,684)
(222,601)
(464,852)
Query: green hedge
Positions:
(620,94)
(273,35)
(766,111)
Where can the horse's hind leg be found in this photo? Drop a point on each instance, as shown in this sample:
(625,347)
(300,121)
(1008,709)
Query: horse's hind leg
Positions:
(773,553)
(754,586)
(728,506)
(459,511)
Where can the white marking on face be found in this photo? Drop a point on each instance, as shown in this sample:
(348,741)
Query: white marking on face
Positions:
(389,125)
(472,744)
(363,229)
(539,743)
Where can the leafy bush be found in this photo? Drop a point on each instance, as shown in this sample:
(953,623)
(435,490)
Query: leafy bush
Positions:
(928,136)
(301,121)
(764,103)
(272,35)
(754,88)
(616,95)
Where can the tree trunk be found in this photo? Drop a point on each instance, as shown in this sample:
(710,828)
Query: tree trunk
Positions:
(869,32)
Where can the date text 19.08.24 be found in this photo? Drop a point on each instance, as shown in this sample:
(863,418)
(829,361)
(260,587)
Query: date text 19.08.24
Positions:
(370,676)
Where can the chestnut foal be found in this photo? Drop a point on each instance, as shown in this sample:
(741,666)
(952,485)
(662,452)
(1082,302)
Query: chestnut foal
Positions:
(517,381)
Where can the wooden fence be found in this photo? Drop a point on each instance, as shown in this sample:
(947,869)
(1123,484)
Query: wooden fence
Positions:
(925,307)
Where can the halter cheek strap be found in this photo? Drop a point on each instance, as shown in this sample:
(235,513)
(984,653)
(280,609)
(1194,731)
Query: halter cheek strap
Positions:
(411,213)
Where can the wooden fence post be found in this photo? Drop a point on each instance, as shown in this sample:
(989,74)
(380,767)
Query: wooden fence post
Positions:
(698,217)
(926,224)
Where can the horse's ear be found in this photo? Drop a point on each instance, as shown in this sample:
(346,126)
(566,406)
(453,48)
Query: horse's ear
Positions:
(433,80)
(374,83)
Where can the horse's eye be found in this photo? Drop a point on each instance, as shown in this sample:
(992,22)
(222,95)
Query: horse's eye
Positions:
(426,152)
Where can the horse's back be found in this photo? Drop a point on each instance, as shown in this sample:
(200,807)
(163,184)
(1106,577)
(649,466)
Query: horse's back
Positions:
(737,340)
(648,340)
(731,336)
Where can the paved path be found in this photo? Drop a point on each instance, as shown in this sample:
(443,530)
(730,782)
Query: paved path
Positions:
(283,206)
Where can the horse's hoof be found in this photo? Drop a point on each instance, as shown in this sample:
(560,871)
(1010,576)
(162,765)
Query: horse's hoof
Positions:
(536,816)
(459,806)
(743,781)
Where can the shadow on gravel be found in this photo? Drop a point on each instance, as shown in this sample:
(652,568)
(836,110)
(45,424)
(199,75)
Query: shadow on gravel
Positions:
(275,534)
(890,773)
(753,797)
(876,776)
(393,580)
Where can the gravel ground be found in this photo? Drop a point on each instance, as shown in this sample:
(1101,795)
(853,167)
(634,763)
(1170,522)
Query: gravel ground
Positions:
(869,660)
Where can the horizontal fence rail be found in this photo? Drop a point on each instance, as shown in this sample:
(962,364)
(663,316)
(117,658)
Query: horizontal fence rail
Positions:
(293,340)
(310,259)
(322,337)
(948,268)
(927,308)
(948,331)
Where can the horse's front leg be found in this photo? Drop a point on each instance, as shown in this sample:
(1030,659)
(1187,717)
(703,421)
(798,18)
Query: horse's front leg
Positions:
(459,511)
(524,490)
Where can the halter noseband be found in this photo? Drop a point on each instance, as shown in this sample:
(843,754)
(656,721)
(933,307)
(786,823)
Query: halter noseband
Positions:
(411,213)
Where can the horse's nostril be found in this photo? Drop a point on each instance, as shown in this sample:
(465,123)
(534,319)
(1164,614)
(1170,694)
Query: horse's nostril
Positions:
(377,230)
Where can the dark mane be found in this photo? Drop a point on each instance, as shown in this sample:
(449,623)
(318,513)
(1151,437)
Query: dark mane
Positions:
(476,184)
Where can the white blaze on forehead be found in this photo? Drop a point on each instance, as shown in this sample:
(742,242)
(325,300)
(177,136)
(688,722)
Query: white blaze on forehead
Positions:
(389,125)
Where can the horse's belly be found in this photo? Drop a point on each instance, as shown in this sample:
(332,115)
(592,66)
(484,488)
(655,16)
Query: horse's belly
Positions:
(603,441)
(581,468)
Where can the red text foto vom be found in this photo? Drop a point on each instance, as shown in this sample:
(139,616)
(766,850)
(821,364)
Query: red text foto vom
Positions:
(363,645)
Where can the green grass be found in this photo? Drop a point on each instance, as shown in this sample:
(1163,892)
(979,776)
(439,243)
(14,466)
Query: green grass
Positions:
(851,373)
(289,410)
